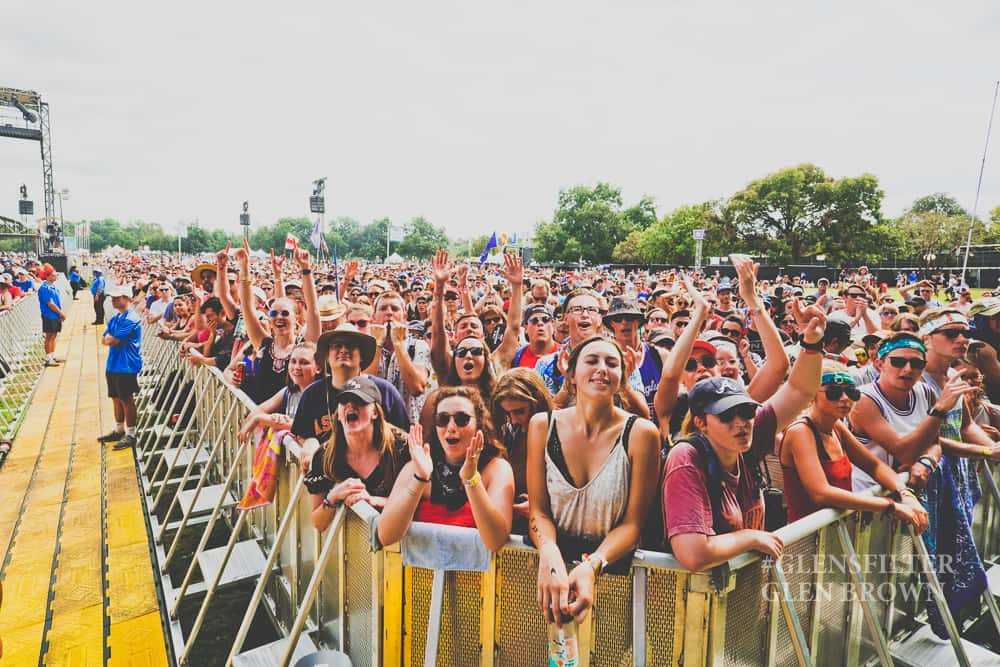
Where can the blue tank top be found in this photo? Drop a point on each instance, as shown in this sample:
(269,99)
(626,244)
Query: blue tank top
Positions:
(650,372)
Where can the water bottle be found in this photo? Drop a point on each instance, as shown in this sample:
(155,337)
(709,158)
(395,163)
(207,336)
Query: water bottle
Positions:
(564,651)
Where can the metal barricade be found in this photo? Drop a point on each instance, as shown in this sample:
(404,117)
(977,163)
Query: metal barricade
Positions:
(22,359)
(802,610)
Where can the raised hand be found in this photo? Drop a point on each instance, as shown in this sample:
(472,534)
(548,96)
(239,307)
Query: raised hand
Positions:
(472,452)
(462,274)
(303,258)
(439,268)
(277,263)
(513,269)
(222,258)
(953,390)
(632,359)
(746,272)
(420,451)
(698,303)
(398,331)
(242,255)
(350,270)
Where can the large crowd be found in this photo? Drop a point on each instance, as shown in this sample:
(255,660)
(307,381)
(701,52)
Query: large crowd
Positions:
(596,411)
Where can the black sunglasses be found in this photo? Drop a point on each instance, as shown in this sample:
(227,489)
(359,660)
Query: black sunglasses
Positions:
(462,419)
(361,324)
(544,319)
(707,361)
(746,412)
(492,320)
(915,363)
(466,351)
(732,333)
(618,319)
(451,296)
(276,313)
(952,334)
(834,393)
(855,295)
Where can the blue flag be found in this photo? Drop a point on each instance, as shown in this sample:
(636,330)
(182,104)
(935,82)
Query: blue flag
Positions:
(492,243)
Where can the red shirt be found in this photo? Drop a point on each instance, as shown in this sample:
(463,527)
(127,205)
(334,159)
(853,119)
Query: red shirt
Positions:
(429,512)
(686,505)
(529,358)
(15,291)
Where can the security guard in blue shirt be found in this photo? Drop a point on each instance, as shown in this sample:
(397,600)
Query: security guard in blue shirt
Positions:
(97,290)
(123,336)
(52,315)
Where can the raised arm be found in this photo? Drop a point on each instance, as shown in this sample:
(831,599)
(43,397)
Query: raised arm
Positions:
(313,325)
(462,274)
(255,330)
(795,395)
(350,271)
(772,373)
(440,349)
(513,272)
(670,379)
(221,289)
(407,491)
(277,264)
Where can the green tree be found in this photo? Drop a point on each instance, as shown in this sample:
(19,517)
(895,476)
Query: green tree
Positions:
(939,202)
(924,234)
(798,212)
(371,240)
(273,236)
(422,239)
(670,240)
(589,222)
(106,233)
(627,251)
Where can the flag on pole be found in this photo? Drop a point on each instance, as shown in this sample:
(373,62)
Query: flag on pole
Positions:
(317,236)
(291,242)
(492,243)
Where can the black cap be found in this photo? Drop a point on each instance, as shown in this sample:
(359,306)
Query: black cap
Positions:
(361,388)
(716,395)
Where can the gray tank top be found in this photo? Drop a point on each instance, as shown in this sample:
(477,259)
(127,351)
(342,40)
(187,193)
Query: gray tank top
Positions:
(588,512)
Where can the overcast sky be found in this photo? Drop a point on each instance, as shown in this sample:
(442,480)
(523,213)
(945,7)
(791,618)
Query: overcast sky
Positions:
(475,116)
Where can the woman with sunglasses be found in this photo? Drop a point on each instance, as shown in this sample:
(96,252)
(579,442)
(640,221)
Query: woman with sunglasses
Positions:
(887,313)
(818,453)
(471,366)
(362,458)
(457,476)
(268,371)
(591,472)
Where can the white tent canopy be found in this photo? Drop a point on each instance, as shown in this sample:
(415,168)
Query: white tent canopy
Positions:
(394,259)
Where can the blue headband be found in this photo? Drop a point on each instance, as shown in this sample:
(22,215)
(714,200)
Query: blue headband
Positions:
(906,342)
(836,378)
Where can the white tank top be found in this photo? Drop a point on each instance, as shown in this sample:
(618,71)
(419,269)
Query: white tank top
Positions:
(902,421)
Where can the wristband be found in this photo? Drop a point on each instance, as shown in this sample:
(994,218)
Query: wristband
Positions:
(307,272)
(247,282)
(330,506)
(938,414)
(596,561)
(472,481)
(812,347)
(987,452)
(423,480)
(929,462)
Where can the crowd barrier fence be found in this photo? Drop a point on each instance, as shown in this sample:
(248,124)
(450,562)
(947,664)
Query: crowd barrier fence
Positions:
(22,360)
(334,590)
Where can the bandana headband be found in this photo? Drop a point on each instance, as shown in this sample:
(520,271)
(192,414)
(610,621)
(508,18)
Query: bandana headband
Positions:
(836,378)
(900,343)
(932,325)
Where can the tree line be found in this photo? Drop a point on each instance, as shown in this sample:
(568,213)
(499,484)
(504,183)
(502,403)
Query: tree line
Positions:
(791,216)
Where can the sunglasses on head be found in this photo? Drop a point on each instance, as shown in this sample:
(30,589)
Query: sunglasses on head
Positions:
(952,334)
(915,363)
(544,319)
(466,351)
(276,313)
(361,324)
(707,361)
(462,419)
(746,412)
(833,393)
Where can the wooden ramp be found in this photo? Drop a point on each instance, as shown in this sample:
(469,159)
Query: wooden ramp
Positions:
(74,555)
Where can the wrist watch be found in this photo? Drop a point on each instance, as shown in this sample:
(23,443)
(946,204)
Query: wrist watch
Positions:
(939,414)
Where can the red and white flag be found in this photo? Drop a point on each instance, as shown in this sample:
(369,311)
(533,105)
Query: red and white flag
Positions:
(291,242)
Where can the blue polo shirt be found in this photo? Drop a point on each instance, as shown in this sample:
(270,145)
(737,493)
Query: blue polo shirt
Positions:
(48,294)
(124,357)
(24,285)
(97,285)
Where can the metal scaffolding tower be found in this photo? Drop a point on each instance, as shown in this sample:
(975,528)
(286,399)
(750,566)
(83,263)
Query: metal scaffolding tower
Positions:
(35,116)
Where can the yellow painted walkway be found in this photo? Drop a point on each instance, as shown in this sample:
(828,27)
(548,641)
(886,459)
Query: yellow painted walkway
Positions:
(74,557)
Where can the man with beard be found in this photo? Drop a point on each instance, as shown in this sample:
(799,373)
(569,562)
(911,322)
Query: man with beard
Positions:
(401,359)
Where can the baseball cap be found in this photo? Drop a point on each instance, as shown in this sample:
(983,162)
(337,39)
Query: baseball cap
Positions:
(713,396)
(985,307)
(535,309)
(623,306)
(361,388)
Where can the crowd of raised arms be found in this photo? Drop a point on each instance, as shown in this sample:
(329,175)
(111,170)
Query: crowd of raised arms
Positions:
(592,411)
